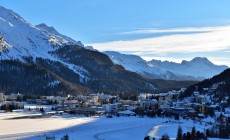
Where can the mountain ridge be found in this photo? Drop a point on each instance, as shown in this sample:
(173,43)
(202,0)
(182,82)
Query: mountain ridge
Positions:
(196,69)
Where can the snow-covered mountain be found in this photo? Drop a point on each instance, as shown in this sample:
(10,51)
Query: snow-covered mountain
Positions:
(137,64)
(55,35)
(21,40)
(196,69)
(38,59)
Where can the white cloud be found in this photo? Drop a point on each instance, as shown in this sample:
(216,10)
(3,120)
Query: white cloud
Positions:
(220,60)
(216,39)
(176,30)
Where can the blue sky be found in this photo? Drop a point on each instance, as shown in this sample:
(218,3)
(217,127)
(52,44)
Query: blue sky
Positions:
(121,25)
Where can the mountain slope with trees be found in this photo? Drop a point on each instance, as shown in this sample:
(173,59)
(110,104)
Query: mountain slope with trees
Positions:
(223,90)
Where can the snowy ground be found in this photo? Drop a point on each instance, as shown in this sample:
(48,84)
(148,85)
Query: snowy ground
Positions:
(90,128)
(17,128)
(101,128)
(78,128)
(170,128)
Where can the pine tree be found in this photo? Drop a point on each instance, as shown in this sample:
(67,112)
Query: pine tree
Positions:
(146,138)
(179,134)
(65,137)
(207,132)
(188,136)
(184,136)
(165,137)
(193,133)
(198,135)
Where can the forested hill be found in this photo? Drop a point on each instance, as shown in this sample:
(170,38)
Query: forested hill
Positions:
(223,79)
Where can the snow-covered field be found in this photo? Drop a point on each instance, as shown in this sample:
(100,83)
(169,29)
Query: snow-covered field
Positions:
(18,128)
(78,128)
(171,129)
(90,128)
(99,128)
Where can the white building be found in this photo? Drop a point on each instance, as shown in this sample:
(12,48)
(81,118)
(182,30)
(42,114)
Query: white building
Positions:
(14,96)
(1,97)
(144,96)
(101,96)
(57,99)
(16,105)
(147,103)
(111,107)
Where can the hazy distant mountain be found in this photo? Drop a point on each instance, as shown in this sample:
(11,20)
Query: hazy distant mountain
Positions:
(40,60)
(137,64)
(196,69)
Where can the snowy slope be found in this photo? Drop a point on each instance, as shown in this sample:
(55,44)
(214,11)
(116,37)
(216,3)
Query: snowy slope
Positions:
(197,67)
(55,35)
(21,36)
(21,39)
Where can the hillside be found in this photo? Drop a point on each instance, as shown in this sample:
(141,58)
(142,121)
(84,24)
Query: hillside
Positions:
(222,80)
